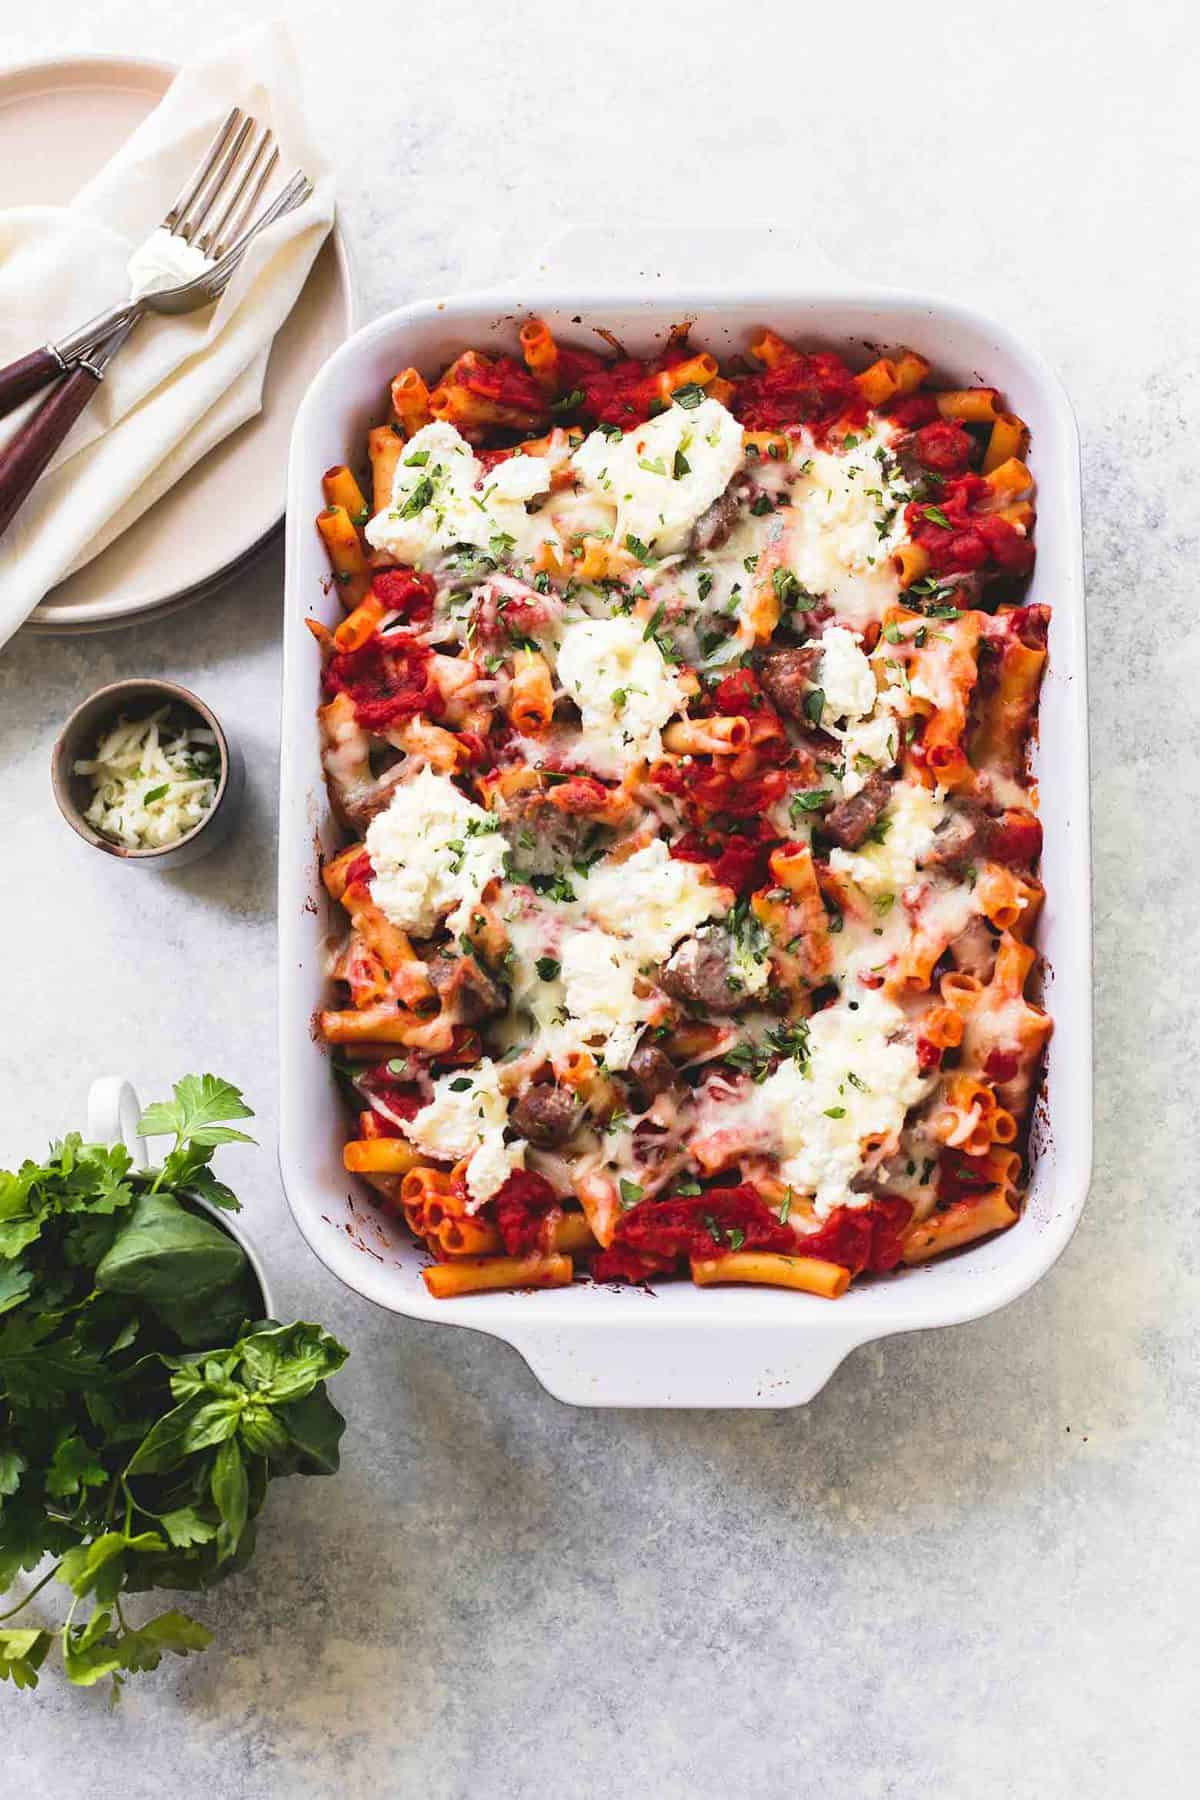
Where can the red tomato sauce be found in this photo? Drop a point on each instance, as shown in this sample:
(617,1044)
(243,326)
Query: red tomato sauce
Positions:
(813,390)
(969,539)
(861,1237)
(521,1209)
(386,679)
(699,1225)
(405,592)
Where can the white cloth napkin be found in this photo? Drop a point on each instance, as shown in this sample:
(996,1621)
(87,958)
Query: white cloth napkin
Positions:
(180,384)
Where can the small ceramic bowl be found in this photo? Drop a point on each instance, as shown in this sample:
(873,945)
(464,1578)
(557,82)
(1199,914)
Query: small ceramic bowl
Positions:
(135,699)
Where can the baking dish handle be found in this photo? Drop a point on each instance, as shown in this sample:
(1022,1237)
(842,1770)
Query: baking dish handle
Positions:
(682,259)
(681,1365)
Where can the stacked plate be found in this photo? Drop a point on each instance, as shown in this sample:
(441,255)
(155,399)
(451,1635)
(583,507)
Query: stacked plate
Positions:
(211,526)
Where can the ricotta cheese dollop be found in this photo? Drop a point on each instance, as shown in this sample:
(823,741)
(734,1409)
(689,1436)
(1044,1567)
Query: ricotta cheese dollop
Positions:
(662,475)
(441,497)
(624,688)
(860,1079)
(466,1119)
(433,852)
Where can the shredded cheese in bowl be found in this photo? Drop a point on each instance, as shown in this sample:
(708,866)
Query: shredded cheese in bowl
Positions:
(154,779)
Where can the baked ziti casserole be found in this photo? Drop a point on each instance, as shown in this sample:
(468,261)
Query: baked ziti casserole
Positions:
(679,723)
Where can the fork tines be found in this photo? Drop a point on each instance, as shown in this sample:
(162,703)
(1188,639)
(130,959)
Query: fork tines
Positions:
(229,178)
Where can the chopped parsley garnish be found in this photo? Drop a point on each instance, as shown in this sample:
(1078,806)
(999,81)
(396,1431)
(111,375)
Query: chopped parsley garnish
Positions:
(554,887)
(613,433)
(681,466)
(790,592)
(636,548)
(418,500)
(835,1112)
(763,505)
(704,582)
(936,516)
(461,1084)
(689,396)
(814,705)
(569,402)
(631,1193)
(812,801)
(547,968)
(417,460)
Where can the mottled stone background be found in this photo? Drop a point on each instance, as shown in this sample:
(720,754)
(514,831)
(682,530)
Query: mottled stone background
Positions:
(970,1567)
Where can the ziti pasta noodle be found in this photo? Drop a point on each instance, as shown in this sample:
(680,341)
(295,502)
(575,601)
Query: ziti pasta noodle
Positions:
(678,725)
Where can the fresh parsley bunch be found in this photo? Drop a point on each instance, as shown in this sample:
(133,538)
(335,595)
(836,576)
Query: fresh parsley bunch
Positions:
(144,1403)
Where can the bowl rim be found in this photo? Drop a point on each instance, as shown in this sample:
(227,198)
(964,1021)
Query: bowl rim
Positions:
(106,703)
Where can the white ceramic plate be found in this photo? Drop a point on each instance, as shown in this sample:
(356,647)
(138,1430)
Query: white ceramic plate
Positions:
(59,122)
(686,1345)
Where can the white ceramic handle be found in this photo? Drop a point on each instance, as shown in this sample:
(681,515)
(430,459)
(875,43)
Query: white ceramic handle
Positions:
(635,1365)
(113,1111)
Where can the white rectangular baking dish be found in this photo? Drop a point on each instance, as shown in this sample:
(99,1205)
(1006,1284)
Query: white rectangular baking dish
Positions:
(684,1345)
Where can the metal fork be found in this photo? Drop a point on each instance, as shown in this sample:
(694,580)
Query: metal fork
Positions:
(216,177)
(78,363)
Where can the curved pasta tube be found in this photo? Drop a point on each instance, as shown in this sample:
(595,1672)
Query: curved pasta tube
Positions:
(879,383)
(345,552)
(410,402)
(707,737)
(768,1268)
(385,448)
(531,697)
(483,1274)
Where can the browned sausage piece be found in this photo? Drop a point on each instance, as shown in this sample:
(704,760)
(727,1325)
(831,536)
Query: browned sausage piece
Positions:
(700,973)
(960,840)
(715,523)
(542,836)
(787,677)
(546,1115)
(849,822)
(462,984)
(652,1072)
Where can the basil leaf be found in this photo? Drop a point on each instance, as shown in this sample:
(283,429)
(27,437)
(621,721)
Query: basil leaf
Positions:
(164,1253)
(231,1495)
(195,1424)
(287,1361)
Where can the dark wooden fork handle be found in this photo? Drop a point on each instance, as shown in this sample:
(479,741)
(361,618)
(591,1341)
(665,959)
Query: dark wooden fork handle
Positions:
(25,377)
(22,461)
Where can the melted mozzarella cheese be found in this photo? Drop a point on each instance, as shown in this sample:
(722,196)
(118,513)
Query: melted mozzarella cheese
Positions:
(441,496)
(433,852)
(652,899)
(913,816)
(599,973)
(535,933)
(466,1119)
(659,477)
(845,520)
(867,745)
(860,1080)
(624,688)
